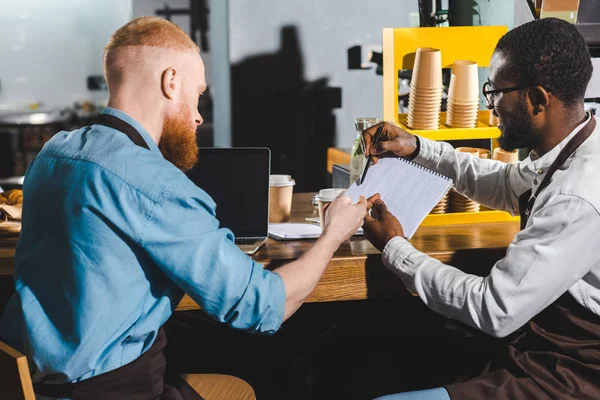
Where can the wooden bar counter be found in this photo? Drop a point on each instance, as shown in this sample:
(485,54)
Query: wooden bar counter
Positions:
(356,271)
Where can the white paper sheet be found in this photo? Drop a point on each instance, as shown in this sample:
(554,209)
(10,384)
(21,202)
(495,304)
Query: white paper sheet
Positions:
(409,190)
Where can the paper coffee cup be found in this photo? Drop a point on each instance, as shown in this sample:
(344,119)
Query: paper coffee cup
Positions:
(281,188)
(505,156)
(471,150)
(484,153)
(325,197)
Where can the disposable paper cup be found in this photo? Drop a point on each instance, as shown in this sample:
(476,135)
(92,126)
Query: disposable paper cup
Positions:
(461,121)
(425,113)
(325,197)
(437,99)
(423,121)
(463,103)
(463,107)
(425,91)
(425,106)
(281,188)
(484,153)
(458,121)
(460,124)
(464,82)
(419,127)
(494,121)
(505,156)
(425,100)
(461,116)
(471,150)
(427,71)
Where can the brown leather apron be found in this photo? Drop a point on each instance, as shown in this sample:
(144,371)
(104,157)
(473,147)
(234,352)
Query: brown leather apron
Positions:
(556,355)
(142,379)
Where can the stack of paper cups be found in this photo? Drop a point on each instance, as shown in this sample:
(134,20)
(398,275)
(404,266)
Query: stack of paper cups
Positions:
(425,98)
(463,95)
(485,154)
(442,206)
(458,202)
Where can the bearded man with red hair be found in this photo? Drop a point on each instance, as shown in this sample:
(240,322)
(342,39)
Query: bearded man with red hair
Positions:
(114,233)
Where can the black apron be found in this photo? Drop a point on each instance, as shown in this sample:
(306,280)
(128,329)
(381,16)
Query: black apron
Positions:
(141,379)
(556,355)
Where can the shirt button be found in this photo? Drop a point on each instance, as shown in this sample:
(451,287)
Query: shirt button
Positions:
(535,181)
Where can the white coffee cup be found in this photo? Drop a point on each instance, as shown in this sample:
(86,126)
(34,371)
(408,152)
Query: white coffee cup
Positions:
(325,197)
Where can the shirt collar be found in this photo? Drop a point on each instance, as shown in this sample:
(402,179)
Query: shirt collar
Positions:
(544,162)
(138,127)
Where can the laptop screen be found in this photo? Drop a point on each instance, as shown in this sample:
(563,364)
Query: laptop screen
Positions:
(238,181)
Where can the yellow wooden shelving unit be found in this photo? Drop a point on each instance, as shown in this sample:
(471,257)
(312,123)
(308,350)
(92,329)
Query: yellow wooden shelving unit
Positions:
(475,43)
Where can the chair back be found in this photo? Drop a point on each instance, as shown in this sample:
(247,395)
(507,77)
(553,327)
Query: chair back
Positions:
(15,380)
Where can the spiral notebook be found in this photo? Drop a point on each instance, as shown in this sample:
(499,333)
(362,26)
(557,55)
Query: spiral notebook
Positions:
(409,190)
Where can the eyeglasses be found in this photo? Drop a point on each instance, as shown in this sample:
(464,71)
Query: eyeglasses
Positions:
(491,94)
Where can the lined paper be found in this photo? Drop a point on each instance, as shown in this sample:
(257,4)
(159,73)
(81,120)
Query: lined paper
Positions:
(409,190)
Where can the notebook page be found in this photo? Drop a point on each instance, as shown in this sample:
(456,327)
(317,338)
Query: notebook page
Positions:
(409,190)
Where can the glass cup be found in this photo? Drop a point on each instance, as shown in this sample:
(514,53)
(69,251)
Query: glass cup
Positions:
(357,157)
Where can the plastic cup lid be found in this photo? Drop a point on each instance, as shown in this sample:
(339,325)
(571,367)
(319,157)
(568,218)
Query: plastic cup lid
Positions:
(281,180)
(329,195)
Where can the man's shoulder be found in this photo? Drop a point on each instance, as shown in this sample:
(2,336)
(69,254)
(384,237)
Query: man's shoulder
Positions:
(582,176)
(89,150)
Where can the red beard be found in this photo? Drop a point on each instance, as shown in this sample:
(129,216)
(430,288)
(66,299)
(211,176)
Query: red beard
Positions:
(178,141)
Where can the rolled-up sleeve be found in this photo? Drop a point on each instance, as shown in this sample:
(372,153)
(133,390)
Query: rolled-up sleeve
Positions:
(549,257)
(183,238)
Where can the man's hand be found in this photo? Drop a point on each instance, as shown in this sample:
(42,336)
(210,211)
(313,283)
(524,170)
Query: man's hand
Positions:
(379,231)
(342,218)
(393,140)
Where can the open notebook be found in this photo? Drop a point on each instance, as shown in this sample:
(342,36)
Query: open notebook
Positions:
(409,190)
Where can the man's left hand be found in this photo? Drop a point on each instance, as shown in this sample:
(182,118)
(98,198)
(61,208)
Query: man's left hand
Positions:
(379,231)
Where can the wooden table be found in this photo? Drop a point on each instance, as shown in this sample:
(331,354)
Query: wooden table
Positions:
(356,271)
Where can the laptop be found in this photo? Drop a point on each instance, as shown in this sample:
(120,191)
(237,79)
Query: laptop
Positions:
(238,181)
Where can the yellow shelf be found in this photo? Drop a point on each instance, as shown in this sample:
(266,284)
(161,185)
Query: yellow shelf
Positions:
(482,131)
(468,218)
(474,43)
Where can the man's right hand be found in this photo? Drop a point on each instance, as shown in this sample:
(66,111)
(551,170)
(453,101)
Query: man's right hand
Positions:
(342,218)
(394,140)
(383,228)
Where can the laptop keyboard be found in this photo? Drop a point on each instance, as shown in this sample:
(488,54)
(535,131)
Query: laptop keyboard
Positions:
(244,241)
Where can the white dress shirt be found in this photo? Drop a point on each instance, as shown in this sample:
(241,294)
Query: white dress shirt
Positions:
(558,251)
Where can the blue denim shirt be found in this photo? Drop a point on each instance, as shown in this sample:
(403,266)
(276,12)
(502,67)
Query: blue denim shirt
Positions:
(112,236)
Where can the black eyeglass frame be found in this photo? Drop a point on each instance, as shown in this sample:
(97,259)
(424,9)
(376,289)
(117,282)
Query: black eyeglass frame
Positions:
(492,92)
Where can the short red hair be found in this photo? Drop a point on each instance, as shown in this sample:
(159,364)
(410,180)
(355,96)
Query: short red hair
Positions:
(147,32)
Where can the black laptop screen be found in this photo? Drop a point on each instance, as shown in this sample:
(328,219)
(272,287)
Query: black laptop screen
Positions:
(238,181)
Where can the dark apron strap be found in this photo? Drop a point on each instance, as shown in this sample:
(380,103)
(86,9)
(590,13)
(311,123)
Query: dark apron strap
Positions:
(116,123)
(526,201)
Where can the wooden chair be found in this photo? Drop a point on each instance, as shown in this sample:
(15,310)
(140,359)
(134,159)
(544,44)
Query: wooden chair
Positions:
(220,387)
(15,380)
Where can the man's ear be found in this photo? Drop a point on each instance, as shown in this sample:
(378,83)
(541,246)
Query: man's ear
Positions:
(539,98)
(167,82)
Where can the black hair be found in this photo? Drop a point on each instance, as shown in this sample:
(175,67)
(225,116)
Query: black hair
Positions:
(548,52)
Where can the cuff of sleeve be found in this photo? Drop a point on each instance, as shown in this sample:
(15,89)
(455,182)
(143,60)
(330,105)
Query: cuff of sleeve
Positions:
(275,319)
(396,258)
(395,252)
(429,152)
